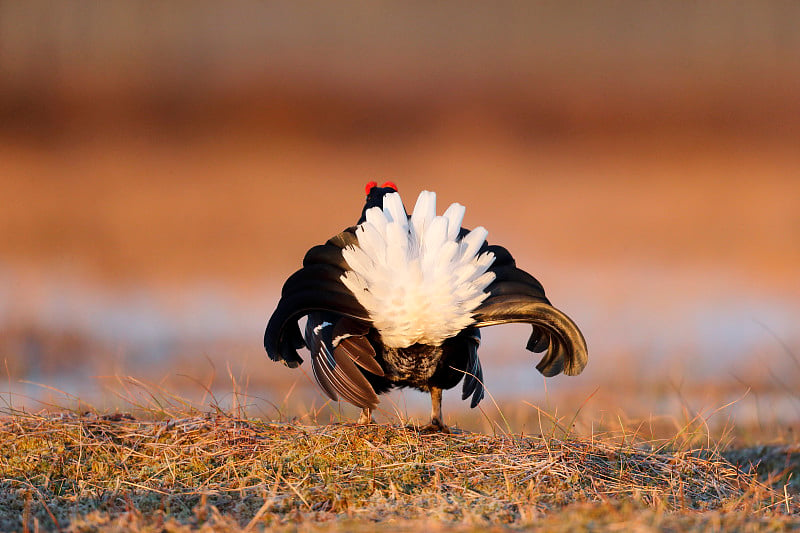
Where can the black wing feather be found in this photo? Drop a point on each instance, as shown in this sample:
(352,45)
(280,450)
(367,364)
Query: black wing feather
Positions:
(473,379)
(316,290)
(334,369)
(319,353)
(315,287)
(283,323)
(361,352)
(350,336)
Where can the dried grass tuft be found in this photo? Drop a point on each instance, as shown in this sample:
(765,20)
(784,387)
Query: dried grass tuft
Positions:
(86,471)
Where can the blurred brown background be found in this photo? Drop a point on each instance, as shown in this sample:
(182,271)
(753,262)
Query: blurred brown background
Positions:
(164,166)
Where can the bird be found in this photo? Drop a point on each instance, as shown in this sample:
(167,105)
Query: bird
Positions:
(399,300)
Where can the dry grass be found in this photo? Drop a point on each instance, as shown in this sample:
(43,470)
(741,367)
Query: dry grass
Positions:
(85,472)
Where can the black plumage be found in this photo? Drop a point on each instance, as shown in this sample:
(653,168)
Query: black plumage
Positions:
(351,362)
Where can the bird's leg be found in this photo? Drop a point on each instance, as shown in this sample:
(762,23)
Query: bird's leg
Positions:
(436,424)
(366,416)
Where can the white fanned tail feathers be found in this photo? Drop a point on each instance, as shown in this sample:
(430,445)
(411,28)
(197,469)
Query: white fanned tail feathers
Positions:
(417,280)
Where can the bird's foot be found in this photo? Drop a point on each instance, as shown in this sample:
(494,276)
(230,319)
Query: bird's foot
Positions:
(434,426)
(366,417)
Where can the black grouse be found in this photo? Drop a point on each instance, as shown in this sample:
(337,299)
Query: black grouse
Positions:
(399,300)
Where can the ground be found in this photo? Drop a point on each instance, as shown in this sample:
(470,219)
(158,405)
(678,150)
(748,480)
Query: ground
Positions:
(216,471)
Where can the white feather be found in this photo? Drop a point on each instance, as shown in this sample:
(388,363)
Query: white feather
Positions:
(418,282)
(454,215)
(320,327)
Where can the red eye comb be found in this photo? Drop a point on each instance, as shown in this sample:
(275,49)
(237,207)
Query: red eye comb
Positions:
(390,184)
(369,186)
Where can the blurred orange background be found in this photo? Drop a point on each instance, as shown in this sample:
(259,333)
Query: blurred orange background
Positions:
(164,168)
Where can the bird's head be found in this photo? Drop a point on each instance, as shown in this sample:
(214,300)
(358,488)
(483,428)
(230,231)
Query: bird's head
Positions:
(375,196)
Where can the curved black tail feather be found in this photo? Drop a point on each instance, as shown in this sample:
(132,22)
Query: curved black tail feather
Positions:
(516,296)
(553,331)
